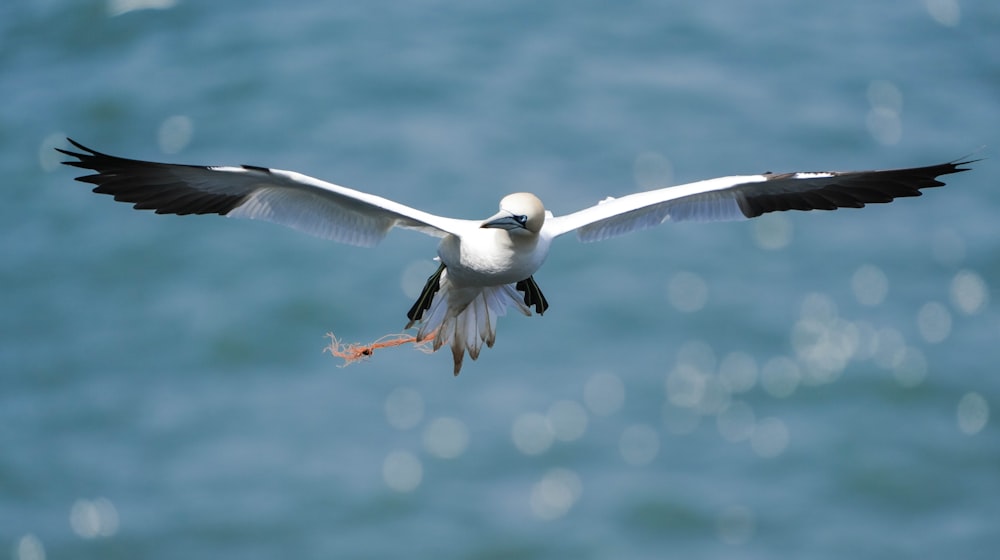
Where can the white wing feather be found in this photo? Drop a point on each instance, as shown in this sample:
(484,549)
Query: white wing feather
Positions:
(338,213)
(709,200)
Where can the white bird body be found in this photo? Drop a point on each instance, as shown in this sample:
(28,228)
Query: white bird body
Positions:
(489,256)
(486,266)
(480,263)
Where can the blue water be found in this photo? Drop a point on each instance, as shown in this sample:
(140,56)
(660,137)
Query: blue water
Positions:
(811,385)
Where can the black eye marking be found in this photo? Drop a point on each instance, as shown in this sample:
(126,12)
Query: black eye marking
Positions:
(522,219)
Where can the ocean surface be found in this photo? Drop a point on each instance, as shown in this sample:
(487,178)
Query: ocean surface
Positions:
(818,385)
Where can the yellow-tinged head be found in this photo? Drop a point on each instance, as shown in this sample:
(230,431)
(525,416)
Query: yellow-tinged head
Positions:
(518,211)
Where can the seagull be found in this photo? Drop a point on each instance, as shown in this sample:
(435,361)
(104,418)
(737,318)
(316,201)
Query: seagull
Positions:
(486,266)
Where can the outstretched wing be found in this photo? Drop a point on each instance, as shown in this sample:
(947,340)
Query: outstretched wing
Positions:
(748,196)
(258,193)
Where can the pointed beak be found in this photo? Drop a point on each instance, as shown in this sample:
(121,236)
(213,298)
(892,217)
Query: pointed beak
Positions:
(502,220)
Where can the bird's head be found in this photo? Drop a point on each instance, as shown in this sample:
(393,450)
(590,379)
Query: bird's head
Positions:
(518,211)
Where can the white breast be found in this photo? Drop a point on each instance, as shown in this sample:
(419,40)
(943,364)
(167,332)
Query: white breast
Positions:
(492,257)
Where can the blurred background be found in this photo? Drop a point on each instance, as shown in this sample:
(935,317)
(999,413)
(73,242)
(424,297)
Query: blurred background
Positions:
(820,385)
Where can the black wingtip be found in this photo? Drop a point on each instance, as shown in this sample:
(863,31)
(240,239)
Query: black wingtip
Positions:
(847,189)
(79,146)
(957,164)
(80,156)
(84,160)
(968,159)
(161,187)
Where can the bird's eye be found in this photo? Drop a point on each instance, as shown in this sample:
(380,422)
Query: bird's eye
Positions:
(522,219)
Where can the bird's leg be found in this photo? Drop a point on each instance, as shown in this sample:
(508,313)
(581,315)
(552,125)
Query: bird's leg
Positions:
(532,295)
(423,302)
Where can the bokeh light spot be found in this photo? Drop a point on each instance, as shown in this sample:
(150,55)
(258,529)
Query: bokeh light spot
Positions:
(93,518)
(884,125)
(885,94)
(48,158)
(554,495)
(973,413)
(968,292)
(946,12)
(870,285)
(402,471)
(119,7)
(883,121)
(29,547)
(698,354)
(685,386)
(934,322)
(824,348)
(446,437)
(532,434)
(772,231)
(175,134)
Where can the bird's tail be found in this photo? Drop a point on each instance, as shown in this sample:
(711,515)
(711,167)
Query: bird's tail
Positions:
(465,318)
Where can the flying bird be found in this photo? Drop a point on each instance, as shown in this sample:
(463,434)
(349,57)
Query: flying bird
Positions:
(486,266)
